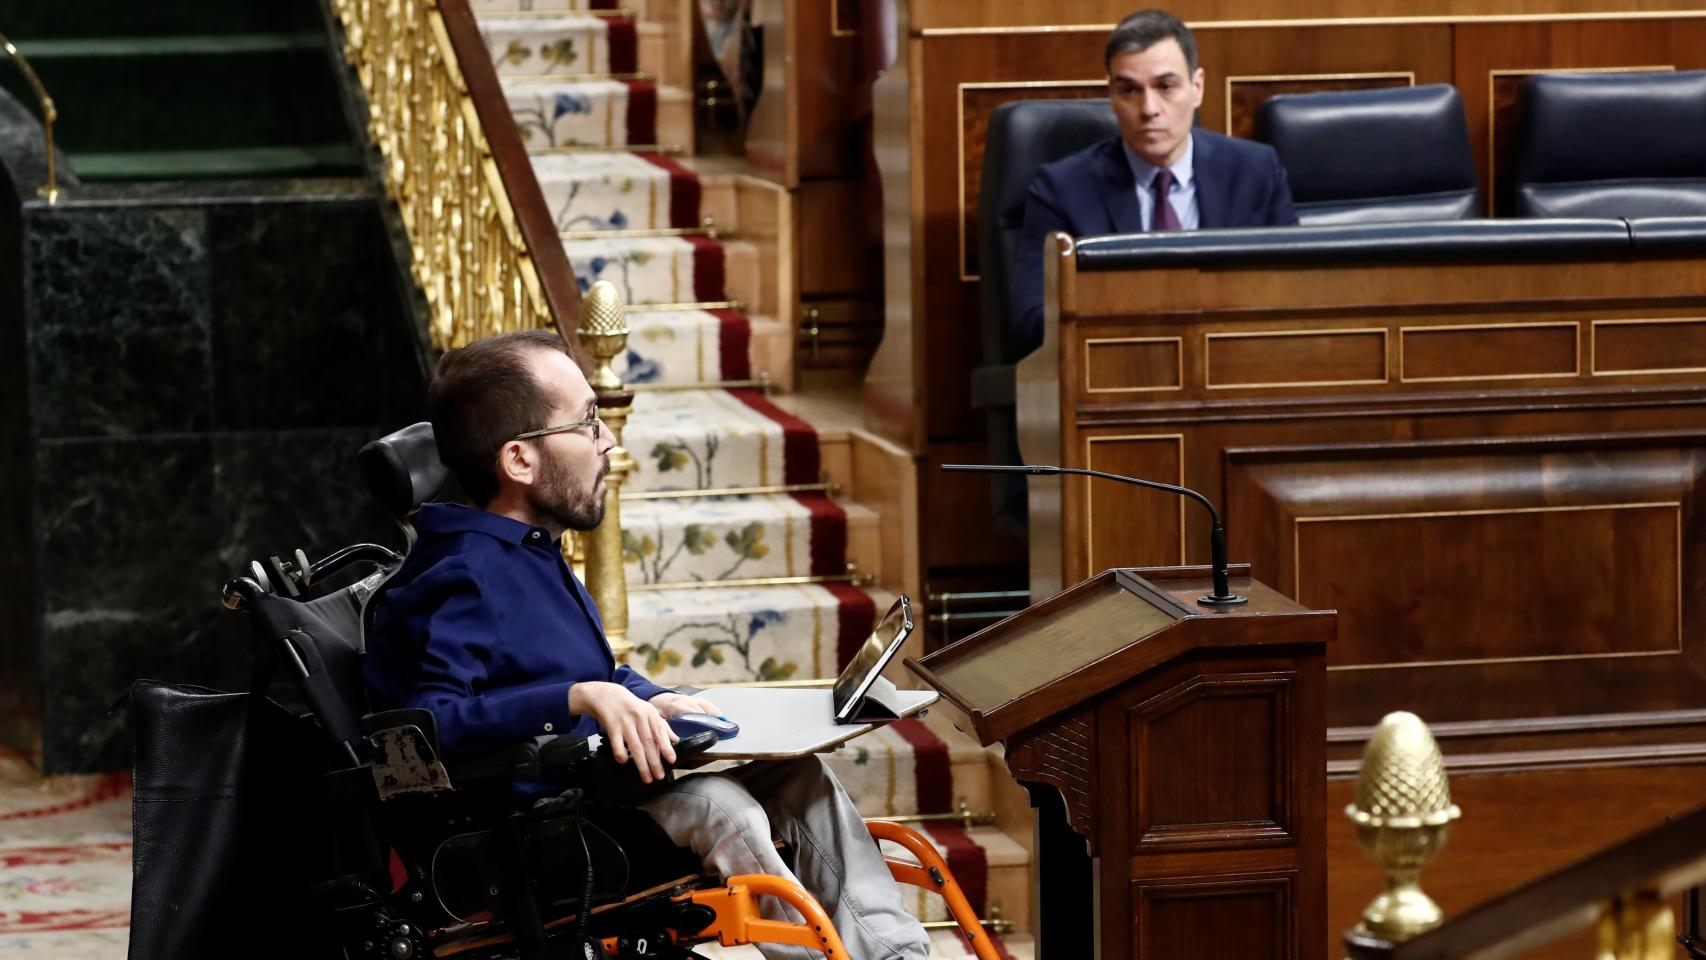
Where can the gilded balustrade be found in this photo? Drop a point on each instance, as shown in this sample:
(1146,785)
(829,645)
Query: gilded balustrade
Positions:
(485,250)
(470,256)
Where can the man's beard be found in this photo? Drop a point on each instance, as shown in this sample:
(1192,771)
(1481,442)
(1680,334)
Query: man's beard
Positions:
(570,509)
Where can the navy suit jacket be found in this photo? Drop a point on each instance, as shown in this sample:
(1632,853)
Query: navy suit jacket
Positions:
(485,626)
(1239,183)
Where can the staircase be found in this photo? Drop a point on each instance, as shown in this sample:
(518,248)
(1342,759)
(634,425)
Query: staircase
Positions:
(760,541)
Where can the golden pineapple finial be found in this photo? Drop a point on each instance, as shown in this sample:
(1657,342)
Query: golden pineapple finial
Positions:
(603,333)
(1403,812)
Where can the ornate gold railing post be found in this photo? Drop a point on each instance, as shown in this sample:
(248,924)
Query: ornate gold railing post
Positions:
(603,335)
(1403,813)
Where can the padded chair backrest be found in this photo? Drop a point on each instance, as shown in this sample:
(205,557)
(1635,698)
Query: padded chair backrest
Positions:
(403,470)
(1022,136)
(320,644)
(1612,145)
(1374,156)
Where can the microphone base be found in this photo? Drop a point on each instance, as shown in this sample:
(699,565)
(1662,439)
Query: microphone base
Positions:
(1230,600)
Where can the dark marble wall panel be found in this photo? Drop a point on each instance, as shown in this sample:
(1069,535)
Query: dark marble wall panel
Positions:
(201,372)
(119,320)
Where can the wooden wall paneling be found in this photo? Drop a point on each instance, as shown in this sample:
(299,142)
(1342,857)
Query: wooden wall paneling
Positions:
(772,132)
(835,259)
(1515,827)
(1646,346)
(1493,60)
(1247,64)
(1556,570)
(1130,526)
(1235,840)
(984,16)
(894,383)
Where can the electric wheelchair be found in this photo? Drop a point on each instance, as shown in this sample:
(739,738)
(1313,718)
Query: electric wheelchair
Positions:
(450,857)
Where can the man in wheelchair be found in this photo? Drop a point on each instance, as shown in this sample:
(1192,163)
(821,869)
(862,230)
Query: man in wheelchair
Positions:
(487,628)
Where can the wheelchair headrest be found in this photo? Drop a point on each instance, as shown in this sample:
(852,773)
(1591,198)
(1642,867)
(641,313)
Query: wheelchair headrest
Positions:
(403,469)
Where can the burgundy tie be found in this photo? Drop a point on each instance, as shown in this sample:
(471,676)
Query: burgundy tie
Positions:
(1164,218)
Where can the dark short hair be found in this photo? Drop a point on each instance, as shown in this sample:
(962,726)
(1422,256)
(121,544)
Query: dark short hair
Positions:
(482,395)
(1145,29)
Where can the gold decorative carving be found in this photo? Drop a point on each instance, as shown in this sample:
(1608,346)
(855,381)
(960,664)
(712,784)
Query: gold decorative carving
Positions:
(1403,813)
(603,335)
(1637,925)
(469,256)
(1061,757)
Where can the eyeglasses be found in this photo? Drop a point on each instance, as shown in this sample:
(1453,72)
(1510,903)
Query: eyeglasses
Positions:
(591,421)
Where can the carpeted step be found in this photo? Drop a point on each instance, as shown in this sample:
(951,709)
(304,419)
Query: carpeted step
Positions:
(914,766)
(617,191)
(651,269)
(540,6)
(698,347)
(741,634)
(602,113)
(562,44)
(738,538)
(716,439)
(991,867)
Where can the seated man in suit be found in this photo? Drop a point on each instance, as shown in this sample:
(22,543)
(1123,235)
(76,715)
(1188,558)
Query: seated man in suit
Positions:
(487,627)
(1159,174)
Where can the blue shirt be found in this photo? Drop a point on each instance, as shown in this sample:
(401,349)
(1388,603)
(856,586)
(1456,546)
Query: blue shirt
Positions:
(485,626)
(1182,196)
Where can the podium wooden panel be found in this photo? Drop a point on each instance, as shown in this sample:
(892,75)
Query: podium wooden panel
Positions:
(1174,754)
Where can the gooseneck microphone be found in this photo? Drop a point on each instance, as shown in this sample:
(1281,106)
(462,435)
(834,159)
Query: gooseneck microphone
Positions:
(1222,595)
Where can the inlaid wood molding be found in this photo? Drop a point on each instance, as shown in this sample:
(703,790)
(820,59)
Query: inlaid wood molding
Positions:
(1210,766)
(1061,757)
(1250,915)
(1665,345)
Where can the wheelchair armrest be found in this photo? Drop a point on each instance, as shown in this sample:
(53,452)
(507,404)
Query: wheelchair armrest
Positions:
(619,783)
(519,761)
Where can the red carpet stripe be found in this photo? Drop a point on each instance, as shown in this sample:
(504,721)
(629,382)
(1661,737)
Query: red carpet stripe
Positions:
(800,463)
(829,534)
(856,617)
(708,269)
(642,111)
(734,340)
(933,773)
(966,860)
(683,190)
(624,45)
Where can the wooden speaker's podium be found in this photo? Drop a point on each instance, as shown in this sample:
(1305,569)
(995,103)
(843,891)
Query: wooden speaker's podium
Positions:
(1176,755)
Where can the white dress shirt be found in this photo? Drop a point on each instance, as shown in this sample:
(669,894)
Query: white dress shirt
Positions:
(1182,196)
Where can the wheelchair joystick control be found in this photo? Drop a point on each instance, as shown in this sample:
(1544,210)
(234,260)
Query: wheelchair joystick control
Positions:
(687,724)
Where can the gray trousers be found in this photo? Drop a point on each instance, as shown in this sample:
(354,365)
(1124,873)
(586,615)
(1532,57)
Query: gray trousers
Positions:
(729,820)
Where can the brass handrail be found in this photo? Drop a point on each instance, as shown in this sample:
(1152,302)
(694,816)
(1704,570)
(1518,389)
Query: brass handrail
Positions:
(485,250)
(48,115)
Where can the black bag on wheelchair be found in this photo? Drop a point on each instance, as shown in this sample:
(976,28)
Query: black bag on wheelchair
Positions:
(229,826)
